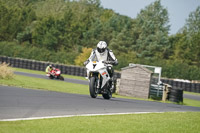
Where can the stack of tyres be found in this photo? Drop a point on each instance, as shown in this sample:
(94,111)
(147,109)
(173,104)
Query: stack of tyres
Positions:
(12,62)
(72,70)
(16,64)
(193,86)
(5,59)
(187,86)
(67,70)
(118,75)
(33,65)
(198,87)
(21,63)
(1,59)
(81,72)
(41,66)
(176,95)
(169,82)
(62,68)
(24,64)
(77,71)
(37,65)
(84,72)
(29,64)
(45,65)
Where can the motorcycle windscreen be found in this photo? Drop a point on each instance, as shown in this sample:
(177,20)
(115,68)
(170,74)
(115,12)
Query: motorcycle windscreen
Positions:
(105,76)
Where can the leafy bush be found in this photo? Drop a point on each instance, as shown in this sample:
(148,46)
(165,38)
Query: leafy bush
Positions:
(13,49)
(178,69)
(83,56)
(5,71)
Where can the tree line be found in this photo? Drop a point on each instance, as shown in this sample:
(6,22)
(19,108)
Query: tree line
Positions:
(65,31)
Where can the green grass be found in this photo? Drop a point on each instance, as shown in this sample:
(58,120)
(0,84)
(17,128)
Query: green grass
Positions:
(192,93)
(45,84)
(191,102)
(43,73)
(52,85)
(173,122)
(59,86)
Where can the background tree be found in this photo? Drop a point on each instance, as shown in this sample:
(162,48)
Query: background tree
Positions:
(83,56)
(187,48)
(61,31)
(152,22)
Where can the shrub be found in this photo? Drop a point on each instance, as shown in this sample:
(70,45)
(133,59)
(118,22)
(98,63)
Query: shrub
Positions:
(13,49)
(83,56)
(5,71)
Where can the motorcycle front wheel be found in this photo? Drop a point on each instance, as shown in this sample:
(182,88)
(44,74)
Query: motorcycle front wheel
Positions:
(93,87)
(108,95)
(51,77)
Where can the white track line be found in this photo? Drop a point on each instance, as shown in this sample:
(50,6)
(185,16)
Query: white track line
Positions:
(64,116)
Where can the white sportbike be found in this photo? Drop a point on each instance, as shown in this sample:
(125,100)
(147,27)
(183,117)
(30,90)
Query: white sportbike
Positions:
(99,79)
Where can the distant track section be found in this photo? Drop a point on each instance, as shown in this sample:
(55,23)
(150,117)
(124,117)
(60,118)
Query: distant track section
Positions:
(76,81)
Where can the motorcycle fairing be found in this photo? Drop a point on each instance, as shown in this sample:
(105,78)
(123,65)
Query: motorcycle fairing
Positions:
(105,76)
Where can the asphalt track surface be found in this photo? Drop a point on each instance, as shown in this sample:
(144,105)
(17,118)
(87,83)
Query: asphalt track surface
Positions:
(193,97)
(18,103)
(84,82)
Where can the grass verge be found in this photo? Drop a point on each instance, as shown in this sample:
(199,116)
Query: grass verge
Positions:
(173,122)
(192,93)
(43,73)
(191,102)
(59,86)
(45,84)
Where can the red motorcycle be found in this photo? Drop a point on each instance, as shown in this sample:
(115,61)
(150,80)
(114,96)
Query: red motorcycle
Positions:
(55,74)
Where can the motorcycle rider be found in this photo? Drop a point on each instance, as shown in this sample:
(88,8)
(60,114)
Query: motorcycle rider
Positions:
(49,68)
(102,53)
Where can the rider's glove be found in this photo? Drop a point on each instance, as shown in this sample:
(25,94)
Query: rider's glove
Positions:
(115,63)
(111,62)
(86,62)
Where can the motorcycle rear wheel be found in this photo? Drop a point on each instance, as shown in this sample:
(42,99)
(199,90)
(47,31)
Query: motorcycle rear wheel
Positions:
(61,77)
(93,87)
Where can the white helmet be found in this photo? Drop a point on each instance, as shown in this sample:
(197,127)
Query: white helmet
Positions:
(101,46)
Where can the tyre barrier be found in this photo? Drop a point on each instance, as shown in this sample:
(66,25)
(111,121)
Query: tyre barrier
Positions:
(175,95)
(81,71)
(190,87)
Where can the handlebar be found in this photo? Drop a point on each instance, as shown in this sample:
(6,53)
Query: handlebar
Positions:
(108,62)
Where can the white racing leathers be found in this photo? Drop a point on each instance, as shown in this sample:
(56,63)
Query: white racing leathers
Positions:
(107,55)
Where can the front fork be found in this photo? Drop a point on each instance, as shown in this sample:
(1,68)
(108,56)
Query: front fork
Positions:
(98,85)
(98,80)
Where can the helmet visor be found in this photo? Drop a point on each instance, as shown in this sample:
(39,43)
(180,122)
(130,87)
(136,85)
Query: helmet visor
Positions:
(101,50)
